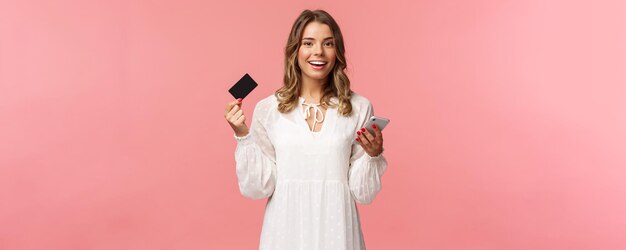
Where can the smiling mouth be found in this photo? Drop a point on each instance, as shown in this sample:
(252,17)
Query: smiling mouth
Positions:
(318,64)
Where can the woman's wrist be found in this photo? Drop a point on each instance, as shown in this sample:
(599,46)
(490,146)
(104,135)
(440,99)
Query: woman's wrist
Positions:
(241,134)
(377,155)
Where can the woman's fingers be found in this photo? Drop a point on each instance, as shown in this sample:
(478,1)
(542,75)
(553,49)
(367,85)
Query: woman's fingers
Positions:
(358,139)
(232,111)
(378,134)
(230,105)
(365,143)
(240,120)
(371,142)
(368,135)
(236,104)
(233,118)
(363,139)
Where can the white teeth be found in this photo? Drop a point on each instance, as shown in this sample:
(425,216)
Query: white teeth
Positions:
(317,63)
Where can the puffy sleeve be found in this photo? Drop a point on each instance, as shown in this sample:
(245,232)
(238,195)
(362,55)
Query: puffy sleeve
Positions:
(364,176)
(256,158)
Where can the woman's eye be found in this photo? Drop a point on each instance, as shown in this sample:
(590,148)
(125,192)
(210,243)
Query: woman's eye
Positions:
(308,43)
(329,44)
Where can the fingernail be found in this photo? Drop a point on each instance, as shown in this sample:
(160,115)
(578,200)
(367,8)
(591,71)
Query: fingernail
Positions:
(357,138)
(373,125)
(239,99)
(363,129)
(358,132)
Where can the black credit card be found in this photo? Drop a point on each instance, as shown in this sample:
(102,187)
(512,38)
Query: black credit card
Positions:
(243,87)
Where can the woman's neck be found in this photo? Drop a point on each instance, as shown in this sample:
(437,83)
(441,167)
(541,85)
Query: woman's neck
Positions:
(312,90)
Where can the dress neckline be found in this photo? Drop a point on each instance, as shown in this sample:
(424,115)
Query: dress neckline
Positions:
(304,114)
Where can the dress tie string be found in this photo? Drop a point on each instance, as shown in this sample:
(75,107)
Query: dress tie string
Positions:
(316,109)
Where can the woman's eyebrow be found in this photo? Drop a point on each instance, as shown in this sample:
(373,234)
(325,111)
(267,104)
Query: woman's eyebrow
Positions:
(311,38)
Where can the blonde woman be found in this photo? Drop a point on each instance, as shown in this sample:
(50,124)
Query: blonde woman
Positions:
(306,148)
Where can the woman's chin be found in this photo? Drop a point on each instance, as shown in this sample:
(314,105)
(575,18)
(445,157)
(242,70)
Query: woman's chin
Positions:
(317,76)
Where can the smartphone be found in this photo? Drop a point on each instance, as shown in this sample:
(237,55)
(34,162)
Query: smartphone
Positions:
(380,122)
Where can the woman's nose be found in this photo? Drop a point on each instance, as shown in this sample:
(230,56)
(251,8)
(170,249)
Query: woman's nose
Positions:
(318,50)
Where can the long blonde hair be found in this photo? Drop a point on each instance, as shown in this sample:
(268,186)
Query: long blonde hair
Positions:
(337,86)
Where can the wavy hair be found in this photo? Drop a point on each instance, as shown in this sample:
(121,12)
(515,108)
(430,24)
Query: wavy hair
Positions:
(336,86)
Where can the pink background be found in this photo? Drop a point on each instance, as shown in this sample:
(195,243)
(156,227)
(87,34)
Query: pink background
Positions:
(508,121)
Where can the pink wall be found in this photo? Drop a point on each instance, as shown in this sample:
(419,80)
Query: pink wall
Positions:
(508,121)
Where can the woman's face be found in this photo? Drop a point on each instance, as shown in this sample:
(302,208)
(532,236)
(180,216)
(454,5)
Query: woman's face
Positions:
(317,54)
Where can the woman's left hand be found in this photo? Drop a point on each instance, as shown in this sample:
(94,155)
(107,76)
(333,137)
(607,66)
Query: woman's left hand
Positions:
(371,143)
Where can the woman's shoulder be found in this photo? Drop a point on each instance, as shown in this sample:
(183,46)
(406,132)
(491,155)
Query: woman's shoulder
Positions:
(359,101)
(267,103)
(356,98)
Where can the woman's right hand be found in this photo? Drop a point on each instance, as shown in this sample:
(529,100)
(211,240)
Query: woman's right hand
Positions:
(236,119)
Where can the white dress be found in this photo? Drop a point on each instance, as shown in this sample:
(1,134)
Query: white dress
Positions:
(312,179)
